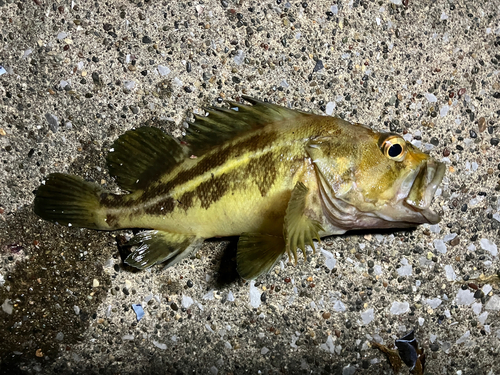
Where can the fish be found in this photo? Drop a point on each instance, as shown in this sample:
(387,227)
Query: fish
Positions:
(278,178)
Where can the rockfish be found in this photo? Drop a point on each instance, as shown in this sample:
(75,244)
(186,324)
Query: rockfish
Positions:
(276,177)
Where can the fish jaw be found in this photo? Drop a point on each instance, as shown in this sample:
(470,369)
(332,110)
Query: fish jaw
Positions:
(409,207)
(423,189)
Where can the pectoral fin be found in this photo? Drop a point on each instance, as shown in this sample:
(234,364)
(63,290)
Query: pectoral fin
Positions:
(300,230)
(156,246)
(258,253)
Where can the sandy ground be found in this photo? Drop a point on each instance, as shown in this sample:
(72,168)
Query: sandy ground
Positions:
(78,74)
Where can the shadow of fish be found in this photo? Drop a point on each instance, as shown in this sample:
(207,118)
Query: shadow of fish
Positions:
(276,177)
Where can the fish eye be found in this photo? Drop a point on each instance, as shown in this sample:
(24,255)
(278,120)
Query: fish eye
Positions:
(394,147)
(395,150)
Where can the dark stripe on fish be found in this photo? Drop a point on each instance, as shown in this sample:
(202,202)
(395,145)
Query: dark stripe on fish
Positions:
(263,170)
(163,207)
(212,190)
(210,162)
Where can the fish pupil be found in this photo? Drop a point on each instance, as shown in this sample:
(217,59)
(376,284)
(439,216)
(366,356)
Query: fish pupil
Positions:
(395,150)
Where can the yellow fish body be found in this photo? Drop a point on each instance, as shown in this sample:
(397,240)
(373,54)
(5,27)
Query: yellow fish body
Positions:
(276,177)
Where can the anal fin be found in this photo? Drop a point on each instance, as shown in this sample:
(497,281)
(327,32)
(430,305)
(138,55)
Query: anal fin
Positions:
(300,230)
(258,253)
(156,246)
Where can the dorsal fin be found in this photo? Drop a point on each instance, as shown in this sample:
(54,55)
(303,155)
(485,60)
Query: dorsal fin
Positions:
(223,124)
(142,154)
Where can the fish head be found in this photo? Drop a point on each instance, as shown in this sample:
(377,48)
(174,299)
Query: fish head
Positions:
(376,180)
(411,183)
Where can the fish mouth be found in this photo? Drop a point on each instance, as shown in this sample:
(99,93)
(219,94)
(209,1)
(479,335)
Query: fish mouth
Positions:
(423,189)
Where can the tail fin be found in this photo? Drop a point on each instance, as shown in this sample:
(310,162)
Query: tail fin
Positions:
(69,200)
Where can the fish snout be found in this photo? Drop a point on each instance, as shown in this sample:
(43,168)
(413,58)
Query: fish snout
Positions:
(424,187)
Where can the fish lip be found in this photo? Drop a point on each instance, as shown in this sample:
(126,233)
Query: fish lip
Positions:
(434,172)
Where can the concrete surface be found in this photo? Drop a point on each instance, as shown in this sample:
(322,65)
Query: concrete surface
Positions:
(80,73)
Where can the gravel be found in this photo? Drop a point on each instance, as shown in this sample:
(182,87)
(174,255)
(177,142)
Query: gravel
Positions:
(74,78)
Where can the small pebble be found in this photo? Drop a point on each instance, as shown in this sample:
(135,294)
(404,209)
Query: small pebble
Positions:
(478,294)
(319,66)
(481,124)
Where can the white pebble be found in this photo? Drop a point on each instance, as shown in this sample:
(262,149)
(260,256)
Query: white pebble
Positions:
(338,306)
(488,245)
(398,308)
(177,82)
(416,143)
(449,237)
(477,307)
(264,351)
(450,273)
(186,301)
(209,296)
(464,338)
(330,260)
(254,295)
(482,318)
(435,228)
(440,246)
(444,110)
(7,306)
(493,303)
(163,70)
(486,289)
(159,345)
(330,106)
(129,85)
(465,297)
(433,303)
(328,346)
(405,269)
(239,58)
(367,316)
(430,97)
